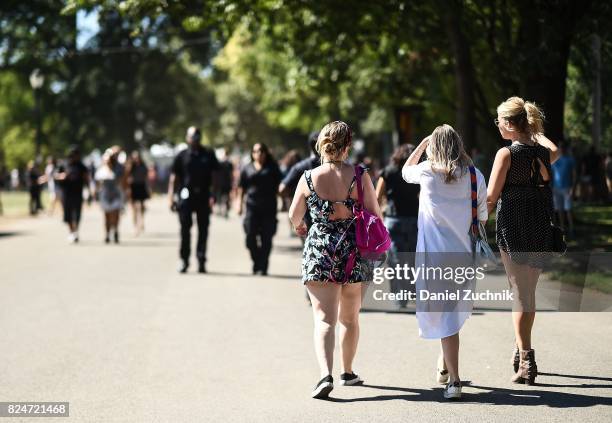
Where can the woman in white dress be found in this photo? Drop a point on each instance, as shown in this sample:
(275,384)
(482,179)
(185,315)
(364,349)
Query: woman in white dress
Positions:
(445,215)
(108,187)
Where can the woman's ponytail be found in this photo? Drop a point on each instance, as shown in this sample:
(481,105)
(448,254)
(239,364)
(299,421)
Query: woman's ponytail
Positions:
(535,118)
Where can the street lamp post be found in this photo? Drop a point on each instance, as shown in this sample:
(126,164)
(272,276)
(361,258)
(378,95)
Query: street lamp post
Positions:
(37,79)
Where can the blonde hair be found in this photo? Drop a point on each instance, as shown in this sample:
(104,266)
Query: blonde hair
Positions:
(333,139)
(446,151)
(525,116)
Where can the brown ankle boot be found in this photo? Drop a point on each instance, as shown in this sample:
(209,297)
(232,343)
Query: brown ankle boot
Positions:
(516,358)
(528,369)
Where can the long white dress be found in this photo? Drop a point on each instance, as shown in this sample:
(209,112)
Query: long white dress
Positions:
(445,215)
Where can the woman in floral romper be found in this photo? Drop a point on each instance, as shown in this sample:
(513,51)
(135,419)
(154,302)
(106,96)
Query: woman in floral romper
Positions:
(335,287)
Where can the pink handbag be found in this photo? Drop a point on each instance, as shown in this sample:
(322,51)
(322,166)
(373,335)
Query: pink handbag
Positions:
(371,235)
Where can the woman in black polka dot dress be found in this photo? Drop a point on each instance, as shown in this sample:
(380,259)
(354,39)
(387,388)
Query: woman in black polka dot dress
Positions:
(525,206)
(519,188)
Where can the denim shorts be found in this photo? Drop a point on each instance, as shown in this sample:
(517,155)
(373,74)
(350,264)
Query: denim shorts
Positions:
(562,199)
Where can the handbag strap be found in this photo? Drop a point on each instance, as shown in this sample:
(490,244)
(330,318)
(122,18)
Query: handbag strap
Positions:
(535,167)
(474,197)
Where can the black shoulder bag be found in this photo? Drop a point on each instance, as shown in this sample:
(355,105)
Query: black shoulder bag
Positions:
(559,245)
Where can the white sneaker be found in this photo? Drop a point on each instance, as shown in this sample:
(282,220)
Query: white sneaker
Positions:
(453,391)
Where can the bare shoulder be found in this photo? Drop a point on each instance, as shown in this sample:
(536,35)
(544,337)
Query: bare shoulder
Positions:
(302,185)
(503,153)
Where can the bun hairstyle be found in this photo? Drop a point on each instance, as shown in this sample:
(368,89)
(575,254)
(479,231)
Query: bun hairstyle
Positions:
(333,139)
(525,116)
(447,153)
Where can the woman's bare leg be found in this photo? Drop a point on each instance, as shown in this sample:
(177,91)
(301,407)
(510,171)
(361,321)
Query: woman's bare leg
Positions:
(523,280)
(108,222)
(324,297)
(348,316)
(450,351)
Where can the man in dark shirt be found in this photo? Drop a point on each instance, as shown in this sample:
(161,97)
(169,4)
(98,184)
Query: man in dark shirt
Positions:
(72,179)
(290,181)
(190,179)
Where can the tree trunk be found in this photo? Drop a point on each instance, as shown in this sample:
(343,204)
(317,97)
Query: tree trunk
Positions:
(464,72)
(544,42)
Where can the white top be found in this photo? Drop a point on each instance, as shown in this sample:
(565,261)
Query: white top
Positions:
(445,210)
(445,216)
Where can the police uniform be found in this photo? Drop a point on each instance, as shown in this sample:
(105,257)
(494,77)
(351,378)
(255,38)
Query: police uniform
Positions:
(193,169)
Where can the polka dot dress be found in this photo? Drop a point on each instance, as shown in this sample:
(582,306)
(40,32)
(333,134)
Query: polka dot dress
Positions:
(525,206)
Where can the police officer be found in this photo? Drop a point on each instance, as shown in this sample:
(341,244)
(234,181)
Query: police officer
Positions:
(189,192)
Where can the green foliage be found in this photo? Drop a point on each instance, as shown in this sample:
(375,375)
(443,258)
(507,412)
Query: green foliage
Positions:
(16,106)
(274,70)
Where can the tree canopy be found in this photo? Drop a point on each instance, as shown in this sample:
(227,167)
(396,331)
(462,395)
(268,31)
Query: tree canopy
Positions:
(274,70)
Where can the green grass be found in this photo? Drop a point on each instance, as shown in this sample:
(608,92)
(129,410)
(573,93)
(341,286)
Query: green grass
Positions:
(599,280)
(16,203)
(598,215)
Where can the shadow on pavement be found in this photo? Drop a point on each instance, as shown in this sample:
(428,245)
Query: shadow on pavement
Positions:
(608,379)
(410,310)
(7,234)
(532,397)
(429,395)
(494,396)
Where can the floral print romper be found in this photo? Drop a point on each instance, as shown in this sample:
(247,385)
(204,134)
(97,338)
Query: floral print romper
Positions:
(329,243)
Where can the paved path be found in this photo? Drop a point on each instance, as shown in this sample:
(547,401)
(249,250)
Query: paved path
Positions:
(119,334)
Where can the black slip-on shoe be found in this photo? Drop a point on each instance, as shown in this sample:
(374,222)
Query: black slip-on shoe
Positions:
(323,388)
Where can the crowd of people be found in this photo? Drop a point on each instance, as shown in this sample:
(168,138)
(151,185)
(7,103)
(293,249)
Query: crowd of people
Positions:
(117,181)
(428,197)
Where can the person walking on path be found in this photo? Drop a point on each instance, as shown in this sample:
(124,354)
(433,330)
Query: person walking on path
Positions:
(336,291)
(445,217)
(564,179)
(191,179)
(224,184)
(290,180)
(138,188)
(35,181)
(401,214)
(109,194)
(72,179)
(519,187)
(259,182)
(55,194)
